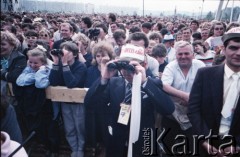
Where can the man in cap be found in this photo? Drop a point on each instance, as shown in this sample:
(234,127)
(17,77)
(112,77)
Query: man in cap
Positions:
(168,41)
(118,96)
(214,104)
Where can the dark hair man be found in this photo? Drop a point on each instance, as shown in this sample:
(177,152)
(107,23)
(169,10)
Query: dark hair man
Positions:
(86,23)
(146,27)
(115,94)
(194,25)
(140,39)
(214,104)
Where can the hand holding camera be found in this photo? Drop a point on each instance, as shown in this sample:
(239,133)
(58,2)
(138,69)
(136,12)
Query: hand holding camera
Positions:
(139,69)
(130,66)
(65,57)
(60,53)
(107,73)
(56,54)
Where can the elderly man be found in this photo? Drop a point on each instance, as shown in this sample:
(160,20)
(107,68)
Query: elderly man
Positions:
(214,104)
(177,79)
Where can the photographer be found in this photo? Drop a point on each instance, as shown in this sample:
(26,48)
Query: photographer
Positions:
(97,34)
(82,42)
(113,94)
(69,72)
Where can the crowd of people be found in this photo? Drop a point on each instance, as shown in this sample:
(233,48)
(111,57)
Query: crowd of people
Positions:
(169,73)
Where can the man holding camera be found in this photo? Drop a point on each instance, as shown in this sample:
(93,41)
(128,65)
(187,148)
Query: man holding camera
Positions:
(120,96)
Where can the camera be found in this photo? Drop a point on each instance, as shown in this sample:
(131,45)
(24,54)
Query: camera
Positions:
(57,52)
(93,32)
(122,65)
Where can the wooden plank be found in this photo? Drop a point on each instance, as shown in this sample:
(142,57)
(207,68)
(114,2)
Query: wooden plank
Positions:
(61,94)
(64,94)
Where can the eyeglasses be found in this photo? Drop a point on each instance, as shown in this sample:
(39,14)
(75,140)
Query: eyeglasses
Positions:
(183,53)
(43,35)
(217,28)
(31,37)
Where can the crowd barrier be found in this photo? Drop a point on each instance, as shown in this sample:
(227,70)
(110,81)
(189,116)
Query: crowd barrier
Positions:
(61,94)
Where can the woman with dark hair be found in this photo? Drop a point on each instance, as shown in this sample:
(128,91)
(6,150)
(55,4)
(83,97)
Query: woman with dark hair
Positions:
(201,53)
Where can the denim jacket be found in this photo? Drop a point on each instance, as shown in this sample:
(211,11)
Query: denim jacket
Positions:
(40,78)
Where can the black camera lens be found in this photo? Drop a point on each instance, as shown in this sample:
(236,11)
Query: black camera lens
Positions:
(57,52)
(130,68)
(94,32)
(121,65)
(112,66)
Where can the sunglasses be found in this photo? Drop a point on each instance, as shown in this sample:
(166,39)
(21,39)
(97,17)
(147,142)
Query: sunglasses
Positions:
(31,37)
(217,28)
(43,35)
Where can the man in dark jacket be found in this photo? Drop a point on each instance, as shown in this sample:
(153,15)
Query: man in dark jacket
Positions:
(114,96)
(214,104)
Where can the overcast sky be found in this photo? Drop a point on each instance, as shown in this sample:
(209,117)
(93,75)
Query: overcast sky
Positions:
(164,5)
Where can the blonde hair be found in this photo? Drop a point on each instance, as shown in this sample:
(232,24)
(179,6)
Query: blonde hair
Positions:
(10,38)
(38,52)
(44,30)
(102,47)
(81,37)
(37,24)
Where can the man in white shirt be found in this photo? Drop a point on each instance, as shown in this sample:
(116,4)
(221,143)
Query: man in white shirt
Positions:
(214,104)
(177,78)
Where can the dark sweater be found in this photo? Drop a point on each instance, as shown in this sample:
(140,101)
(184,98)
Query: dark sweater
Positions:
(69,76)
(93,74)
(16,64)
(88,57)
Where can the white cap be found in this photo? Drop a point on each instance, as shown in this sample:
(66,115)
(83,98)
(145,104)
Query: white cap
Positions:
(131,52)
(232,33)
(37,19)
(168,37)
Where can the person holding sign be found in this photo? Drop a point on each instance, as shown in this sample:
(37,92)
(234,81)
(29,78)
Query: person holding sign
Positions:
(128,101)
